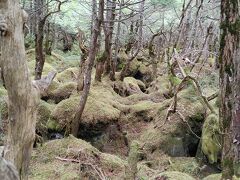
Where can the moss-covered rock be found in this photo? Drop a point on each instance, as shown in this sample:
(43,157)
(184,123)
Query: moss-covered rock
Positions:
(141,71)
(100,108)
(62,159)
(213,177)
(161,84)
(67,75)
(44,111)
(187,165)
(174,175)
(133,85)
(211,146)
(53,86)
(61,91)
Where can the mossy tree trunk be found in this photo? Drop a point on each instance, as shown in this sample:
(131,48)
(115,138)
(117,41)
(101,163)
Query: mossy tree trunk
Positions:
(22,96)
(229,85)
(108,31)
(88,71)
(84,49)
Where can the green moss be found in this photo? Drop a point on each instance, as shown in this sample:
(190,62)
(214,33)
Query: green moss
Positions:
(53,86)
(63,91)
(67,75)
(161,84)
(133,85)
(175,80)
(213,177)
(53,125)
(100,107)
(211,146)
(187,165)
(133,159)
(101,56)
(46,68)
(3,108)
(44,111)
(174,175)
(3,92)
(44,161)
(143,106)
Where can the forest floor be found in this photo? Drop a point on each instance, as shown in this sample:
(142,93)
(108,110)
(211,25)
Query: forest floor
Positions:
(124,123)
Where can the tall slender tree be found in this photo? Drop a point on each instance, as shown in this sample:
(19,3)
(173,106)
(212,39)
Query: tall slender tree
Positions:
(229,85)
(88,70)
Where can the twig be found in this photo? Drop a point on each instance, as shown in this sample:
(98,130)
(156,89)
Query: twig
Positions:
(95,168)
(185,121)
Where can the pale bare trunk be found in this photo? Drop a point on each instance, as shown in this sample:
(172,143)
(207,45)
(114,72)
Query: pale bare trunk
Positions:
(21,94)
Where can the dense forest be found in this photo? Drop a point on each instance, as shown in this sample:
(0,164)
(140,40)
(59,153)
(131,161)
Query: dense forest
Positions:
(120,89)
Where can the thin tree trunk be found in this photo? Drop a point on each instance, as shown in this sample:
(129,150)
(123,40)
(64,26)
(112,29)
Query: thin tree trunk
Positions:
(21,94)
(40,56)
(229,86)
(117,38)
(125,69)
(88,71)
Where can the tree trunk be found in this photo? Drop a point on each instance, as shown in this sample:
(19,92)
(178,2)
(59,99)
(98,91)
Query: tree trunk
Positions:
(229,85)
(88,71)
(21,94)
(108,31)
(7,170)
(40,56)
(117,42)
(129,60)
(39,36)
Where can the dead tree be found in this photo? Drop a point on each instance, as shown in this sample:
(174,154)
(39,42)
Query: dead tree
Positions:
(23,97)
(88,71)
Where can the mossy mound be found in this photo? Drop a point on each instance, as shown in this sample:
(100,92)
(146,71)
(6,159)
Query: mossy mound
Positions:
(67,75)
(53,86)
(133,85)
(161,84)
(44,111)
(187,165)
(211,145)
(141,71)
(72,158)
(61,91)
(100,108)
(213,177)
(174,175)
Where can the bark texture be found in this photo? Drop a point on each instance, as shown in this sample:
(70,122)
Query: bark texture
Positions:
(21,94)
(7,170)
(229,85)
